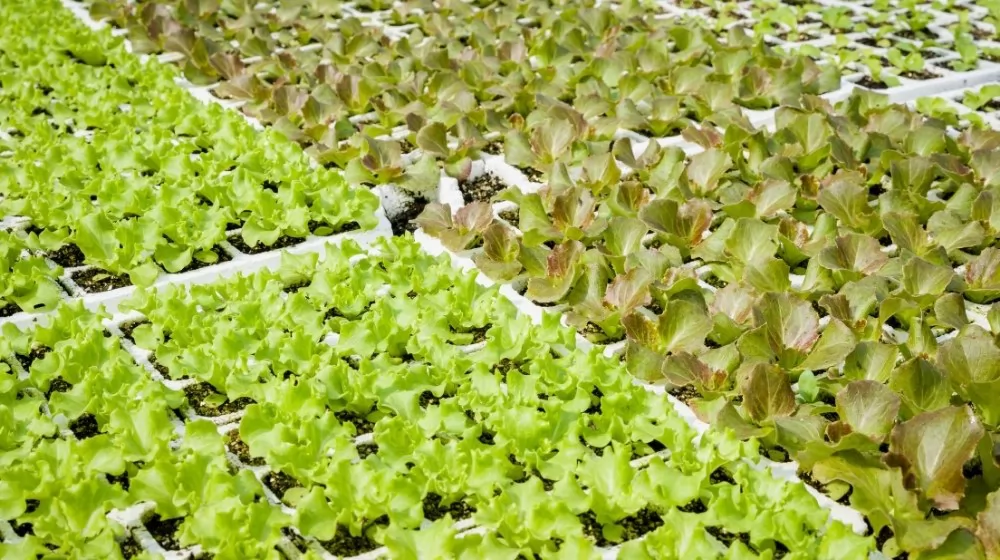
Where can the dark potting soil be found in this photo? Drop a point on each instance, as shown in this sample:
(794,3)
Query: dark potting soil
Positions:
(721,476)
(292,288)
(281,243)
(510,216)
(196,264)
(197,393)
(599,451)
(543,303)
(37,353)
(366,449)
(656,307)
(532,174)
(883,537)
(402,222)
(352,362)
(405,146)
(122,480)
(67,256)
(478,333)
(807,477)
(972,468)
(323,229)
(482,188)
(921,75)
(280,483)
(915,35)
(165,531)
(361,424)
(428,398)
(346,544)
(596,334)
(130,547)
(494,148)
(95,280)
(486,437)
(128,327)
(238,447)
(845,500)
(505,365)
(868,42)
(868,82)
(547,484)
(9,309)
(635,526)
(22,529)
(694,506)
(776,453)
(685,394)
(727,538)
(85,426)
(433,510)
(163,369)
(296,539)
(58,385)
(980,33)
(831,416)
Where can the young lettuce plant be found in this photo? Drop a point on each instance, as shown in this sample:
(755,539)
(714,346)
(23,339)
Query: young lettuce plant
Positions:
(380,162)
(124,247)
(880,74)
(968,53)
(547,136)
(460,232)
(25,280)
(432,138)
(982,97)
(910,65)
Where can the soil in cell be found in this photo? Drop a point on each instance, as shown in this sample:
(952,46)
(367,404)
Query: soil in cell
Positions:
(596,334)
(280,483)
(128,327)
(238,447)
(510,216)
(346,544)
(198,393)
(85,426)
(361,424)
(635,526)
(196,264)
(9,309)
(727,538)
(95,280)
(433,510)
(483,188)
(921,75)
(694,506)
(282,242)
(323,229)
(37,353)
(868,82)
(67,256)
(130,547)
(685,394)
(478,333)
(494,148)
(366,449)
(532,174)
(165,531)
(402,221)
